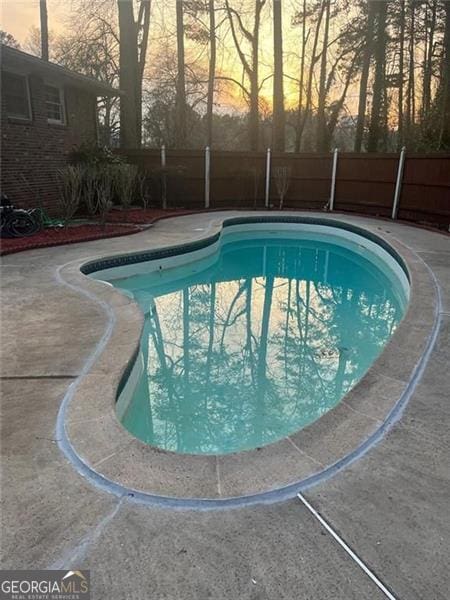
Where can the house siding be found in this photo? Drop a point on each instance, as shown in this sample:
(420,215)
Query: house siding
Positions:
(36,149)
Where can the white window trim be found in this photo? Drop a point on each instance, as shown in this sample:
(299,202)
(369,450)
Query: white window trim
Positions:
(60,89)
(28,119)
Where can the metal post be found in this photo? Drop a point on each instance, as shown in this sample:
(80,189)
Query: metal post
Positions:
(333,179)
(268,177)
(398,184)
(207,175)
(163,177)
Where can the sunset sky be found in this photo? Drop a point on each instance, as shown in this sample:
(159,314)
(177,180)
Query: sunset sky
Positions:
(19,16)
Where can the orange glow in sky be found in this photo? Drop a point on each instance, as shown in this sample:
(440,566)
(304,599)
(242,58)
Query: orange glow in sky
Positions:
(19,16)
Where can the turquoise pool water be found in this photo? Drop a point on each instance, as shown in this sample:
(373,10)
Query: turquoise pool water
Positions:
(245,346)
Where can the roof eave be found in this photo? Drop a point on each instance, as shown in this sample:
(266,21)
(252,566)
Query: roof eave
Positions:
(16,58)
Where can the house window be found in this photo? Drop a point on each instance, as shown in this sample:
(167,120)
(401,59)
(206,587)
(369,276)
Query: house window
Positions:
(16,96)
(54,102)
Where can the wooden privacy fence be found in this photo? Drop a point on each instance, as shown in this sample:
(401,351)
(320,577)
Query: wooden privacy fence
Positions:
(363,183)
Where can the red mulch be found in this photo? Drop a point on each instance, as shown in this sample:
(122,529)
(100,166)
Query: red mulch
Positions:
(120,223)
(71,235)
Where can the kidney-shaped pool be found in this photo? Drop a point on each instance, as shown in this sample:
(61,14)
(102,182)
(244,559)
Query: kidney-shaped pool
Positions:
(256,335)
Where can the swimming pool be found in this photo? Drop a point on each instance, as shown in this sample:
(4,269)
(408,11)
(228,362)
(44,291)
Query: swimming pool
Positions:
(255,335)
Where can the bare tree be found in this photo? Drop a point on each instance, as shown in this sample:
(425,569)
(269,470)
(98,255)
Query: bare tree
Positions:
(133,51)
(411,89)
(402,31)
(321,120)
(362,104)
(212,72)
(304,40)
(430,26)
(181,79)
(393,54)
(91,46)
(8,40)
(313,61)
(278,132)
(375,128)
(337,106)
(250,64)
(201,26)
(44,29)
(129,104)
(444,136)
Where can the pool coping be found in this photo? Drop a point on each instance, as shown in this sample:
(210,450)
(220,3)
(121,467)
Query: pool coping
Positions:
(103,451)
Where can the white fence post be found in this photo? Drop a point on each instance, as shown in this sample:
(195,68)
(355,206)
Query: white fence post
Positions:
(163,177)
(207,175)
(268,160)
(333,179)
(398,184)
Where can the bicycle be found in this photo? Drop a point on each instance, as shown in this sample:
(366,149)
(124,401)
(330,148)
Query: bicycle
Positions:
(17,222)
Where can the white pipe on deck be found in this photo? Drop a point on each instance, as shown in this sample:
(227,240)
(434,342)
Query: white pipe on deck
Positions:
(207,175)
(333,179)
(398,184)
(268,161)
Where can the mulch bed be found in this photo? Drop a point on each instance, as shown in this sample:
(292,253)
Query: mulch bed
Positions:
(120,222)
(71,235)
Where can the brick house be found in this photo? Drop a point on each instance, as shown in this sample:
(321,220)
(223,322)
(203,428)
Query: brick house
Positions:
(46,110)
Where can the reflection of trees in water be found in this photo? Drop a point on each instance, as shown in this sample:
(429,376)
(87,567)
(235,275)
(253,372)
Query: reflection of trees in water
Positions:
(247,361)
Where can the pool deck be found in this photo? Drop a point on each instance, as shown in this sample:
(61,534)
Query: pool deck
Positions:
(391,506)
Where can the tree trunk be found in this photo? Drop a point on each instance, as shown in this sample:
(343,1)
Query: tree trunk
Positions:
(212,74)
(410,98)
(338,104)
(129,77)
(445,94)
(376,129)
(321,120)
(428,65)
(400,68)
(279,119)
(181,80)
(262,357)
(44,29)
(250,66)
(302,76)
(254,81)
(311,75)
(144,24)
(144,28)
(253,117)
(368,49)
(186,432)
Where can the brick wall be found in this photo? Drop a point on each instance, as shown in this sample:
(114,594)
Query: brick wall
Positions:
(37,149)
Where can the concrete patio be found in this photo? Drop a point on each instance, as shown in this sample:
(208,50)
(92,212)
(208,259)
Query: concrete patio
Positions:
(391,506)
